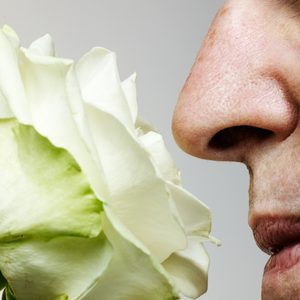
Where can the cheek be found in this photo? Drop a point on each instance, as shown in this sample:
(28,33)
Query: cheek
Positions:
(282,55)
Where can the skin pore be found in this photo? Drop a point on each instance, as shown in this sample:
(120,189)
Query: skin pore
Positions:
(241,103)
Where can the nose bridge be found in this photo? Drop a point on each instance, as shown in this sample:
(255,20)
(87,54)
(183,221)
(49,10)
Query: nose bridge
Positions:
(232,86)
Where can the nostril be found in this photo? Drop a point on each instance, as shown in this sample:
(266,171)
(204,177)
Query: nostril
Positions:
(235,136)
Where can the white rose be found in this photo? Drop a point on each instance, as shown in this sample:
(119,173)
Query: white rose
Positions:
(91,202)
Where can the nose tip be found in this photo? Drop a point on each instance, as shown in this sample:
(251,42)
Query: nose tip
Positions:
(234,100)
(226,126)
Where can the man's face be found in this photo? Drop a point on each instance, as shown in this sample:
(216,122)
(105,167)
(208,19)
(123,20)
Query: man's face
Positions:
(240,103)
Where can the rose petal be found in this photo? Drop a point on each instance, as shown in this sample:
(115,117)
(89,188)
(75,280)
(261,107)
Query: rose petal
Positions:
(101,86)
(137,195)
(43,46)
(11,85)
(132,274)
(48,268)
(194,214)
(12,36)
(161,158)
(5,111)
(189,268)
(129,88)
(57,111)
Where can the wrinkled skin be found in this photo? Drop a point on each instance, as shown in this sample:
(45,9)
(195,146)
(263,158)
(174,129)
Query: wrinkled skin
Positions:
(241,102)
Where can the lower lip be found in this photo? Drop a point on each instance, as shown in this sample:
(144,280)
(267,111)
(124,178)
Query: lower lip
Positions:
(284,260)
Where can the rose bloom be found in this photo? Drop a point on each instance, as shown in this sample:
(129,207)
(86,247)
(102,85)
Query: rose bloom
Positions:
(91,201)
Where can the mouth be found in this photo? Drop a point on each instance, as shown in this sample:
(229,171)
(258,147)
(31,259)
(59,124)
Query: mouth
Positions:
(280,238)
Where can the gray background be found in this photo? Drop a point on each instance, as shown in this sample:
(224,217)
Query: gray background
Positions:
(159,40)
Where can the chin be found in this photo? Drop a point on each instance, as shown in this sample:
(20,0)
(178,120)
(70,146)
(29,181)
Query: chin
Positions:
(281,284)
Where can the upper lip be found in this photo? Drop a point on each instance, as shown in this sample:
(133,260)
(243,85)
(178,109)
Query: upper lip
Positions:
(272,234)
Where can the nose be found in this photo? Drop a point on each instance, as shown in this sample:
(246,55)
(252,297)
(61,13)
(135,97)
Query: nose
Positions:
(236,98)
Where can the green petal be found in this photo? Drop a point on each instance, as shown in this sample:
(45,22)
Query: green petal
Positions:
(43,190)
(138,196)
(132,274)
(57,268)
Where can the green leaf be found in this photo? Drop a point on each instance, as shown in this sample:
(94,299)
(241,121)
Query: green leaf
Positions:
(62,297)
(8,294)
(3,281)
